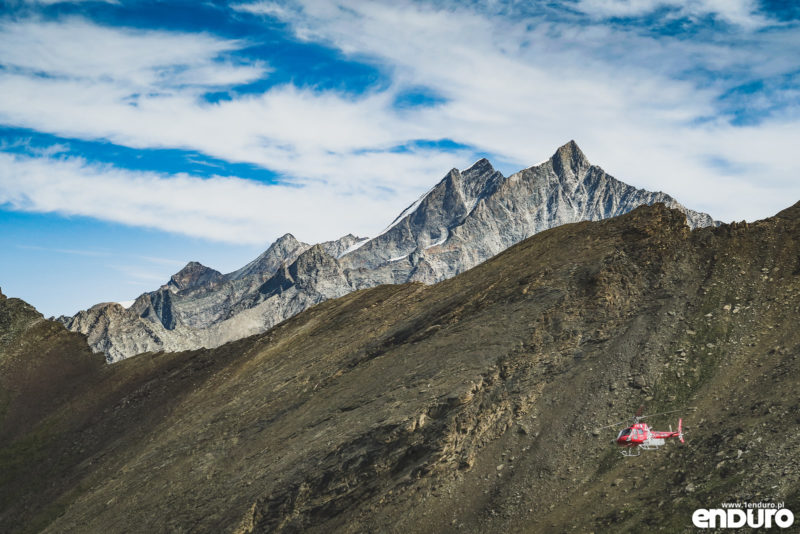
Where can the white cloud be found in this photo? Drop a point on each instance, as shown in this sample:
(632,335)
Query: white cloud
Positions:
(269,9)
(514,88)
(143,90)
(521,89)
(50,2)
(219,208)
(740,12)
(131,60)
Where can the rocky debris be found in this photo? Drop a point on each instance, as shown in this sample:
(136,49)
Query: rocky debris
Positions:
(465,219)
(397,407)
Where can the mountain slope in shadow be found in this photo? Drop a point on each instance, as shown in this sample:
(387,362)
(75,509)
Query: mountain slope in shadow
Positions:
(469,405)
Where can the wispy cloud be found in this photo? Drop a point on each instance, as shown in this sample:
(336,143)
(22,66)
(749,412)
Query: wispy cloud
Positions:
(162,261)
(147,60)
(220,208)
(74,252)
(143,89)
(52,2)
(25,144)
(741,12)
(169,262)
(270,9)
(138,276)
(654,109)
(517,87)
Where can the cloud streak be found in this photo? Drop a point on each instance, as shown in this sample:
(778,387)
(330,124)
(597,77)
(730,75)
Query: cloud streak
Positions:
(652,109)
(220,208)
(740,12)
(74,252)
(142,60)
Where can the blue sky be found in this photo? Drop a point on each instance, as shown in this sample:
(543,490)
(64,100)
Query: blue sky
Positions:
(136,136)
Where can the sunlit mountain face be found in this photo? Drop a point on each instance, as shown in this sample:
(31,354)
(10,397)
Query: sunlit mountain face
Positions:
(138,136)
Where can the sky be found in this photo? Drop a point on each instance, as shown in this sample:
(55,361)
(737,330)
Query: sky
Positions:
(136,136)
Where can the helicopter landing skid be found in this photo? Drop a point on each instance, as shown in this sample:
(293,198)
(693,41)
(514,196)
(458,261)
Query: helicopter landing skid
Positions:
(630,452)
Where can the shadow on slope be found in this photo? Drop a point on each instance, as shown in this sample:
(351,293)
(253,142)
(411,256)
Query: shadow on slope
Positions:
(468,405)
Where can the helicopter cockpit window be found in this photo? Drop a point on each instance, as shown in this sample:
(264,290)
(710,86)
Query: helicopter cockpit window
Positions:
(624,433)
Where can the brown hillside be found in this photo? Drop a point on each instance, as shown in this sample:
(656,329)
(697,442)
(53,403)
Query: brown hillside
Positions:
(464,406)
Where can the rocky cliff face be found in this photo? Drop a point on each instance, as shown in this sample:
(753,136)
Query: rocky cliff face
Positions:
(471,405)
(471,216)
(462,221)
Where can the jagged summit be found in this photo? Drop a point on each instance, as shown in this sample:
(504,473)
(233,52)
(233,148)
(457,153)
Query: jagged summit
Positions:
(480,180)
(570,150)
(285,248)
(195,274)
(482,165)
(569,161)
(286,241)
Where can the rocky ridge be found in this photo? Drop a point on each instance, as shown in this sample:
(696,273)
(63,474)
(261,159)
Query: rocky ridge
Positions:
(463,220)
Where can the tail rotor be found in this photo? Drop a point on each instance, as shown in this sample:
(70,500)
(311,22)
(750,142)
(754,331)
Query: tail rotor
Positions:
(680,430)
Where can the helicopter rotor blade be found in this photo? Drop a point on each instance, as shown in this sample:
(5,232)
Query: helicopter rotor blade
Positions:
(636,418)
(664,413)
(613,424)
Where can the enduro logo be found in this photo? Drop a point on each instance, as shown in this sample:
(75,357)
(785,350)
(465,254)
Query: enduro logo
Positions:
(738,515)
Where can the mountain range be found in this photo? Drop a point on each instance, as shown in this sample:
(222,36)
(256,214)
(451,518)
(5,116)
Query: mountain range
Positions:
(476,404)
(465,219)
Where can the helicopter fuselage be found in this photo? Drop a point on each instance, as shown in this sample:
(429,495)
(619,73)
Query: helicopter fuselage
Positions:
(641,435)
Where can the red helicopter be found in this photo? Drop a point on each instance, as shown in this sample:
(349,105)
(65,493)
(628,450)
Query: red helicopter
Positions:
(639,437)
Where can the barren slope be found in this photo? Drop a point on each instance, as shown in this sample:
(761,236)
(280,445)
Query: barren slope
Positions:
(467,405)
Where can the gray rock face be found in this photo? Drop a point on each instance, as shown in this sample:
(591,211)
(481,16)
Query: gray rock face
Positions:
(286,248)
(471,216)
(462,221)
(194,275)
